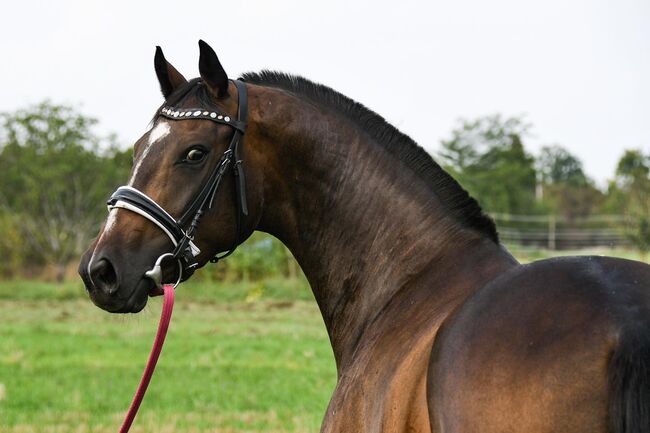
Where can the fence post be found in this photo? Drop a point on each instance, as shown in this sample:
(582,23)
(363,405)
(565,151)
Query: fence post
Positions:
(551,232)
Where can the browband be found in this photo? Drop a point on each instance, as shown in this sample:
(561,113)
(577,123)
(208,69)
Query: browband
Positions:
(202,113)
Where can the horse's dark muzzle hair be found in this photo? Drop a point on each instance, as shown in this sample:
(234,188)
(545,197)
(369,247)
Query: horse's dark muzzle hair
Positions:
(115,283)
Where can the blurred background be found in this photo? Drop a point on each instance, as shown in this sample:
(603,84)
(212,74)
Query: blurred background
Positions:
(541,110)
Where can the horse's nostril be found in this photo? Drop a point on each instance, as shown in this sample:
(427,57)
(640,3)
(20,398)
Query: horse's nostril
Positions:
(103,276)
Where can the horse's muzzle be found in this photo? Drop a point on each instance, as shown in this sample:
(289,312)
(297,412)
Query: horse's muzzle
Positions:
(112,290)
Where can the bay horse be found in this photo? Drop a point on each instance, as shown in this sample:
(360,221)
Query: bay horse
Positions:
(435,327)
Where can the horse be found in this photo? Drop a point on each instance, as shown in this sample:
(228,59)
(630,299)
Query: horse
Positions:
(434,325)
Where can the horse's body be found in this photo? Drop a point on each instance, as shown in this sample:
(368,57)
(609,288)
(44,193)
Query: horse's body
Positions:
(435,327)
(557,345)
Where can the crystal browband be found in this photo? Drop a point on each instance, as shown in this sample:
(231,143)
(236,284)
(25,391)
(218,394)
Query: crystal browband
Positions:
(201,113)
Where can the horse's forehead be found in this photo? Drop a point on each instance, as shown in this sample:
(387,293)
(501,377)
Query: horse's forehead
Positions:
(158,132)
(152,145)
(156,135)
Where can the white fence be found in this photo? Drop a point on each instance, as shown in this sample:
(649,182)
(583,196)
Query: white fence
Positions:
(560,233)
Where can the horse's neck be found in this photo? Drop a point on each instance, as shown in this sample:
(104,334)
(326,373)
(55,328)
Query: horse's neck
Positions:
(360,223)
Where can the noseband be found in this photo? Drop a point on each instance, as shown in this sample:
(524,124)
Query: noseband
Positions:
(181,232)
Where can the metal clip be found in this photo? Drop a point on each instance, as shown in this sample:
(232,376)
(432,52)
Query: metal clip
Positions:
(155,273)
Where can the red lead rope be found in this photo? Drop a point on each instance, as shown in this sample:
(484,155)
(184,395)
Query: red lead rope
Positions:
(165,317)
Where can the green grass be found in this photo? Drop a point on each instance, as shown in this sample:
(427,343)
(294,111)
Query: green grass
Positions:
(66,366)
(196,290)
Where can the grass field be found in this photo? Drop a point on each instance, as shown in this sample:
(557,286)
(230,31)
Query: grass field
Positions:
(240,357)
(66,366)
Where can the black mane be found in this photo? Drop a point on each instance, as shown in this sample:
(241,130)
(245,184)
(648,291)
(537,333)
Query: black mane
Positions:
(455,199)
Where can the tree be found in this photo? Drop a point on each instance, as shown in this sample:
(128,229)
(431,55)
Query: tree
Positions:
(488,158)
(55,175)
(633,167)
(630,192)
(566,189)
(556,165)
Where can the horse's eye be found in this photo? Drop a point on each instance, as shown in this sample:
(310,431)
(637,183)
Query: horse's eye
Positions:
(195,155)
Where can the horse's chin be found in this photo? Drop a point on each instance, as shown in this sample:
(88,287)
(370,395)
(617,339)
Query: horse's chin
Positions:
(127,303)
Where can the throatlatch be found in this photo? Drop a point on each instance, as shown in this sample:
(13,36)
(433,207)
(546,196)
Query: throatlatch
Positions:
(181,231)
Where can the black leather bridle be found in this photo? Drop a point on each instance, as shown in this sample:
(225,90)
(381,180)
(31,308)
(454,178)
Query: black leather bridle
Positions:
(181,231)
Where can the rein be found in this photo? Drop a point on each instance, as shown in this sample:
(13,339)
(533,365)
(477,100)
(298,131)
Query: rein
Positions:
(165,317)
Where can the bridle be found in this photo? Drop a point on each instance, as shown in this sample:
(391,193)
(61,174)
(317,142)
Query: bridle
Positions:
(181,231)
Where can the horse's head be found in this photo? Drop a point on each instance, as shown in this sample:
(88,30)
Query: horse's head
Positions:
(186,199)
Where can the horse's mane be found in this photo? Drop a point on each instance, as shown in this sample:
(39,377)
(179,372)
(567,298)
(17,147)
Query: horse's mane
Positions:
(455,199)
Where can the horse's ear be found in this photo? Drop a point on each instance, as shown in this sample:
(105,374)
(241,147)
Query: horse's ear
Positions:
(168,77)
(211,70)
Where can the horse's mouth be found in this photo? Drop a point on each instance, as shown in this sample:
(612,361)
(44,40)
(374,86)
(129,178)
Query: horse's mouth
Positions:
(133,303)
(138,299)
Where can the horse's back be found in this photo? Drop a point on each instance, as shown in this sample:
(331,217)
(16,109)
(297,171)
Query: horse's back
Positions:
(531,351)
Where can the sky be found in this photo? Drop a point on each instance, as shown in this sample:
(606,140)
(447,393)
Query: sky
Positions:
(579,71)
